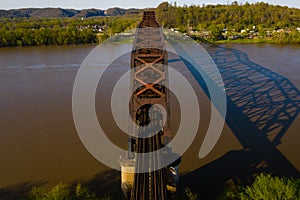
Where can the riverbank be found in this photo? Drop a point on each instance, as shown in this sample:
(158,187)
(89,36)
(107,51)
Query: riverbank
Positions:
(200,40)
(247,41)
(252,41)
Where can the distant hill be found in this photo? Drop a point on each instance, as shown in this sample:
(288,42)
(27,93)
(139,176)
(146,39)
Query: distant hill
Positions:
(115,11)
(89,13)
(64,13)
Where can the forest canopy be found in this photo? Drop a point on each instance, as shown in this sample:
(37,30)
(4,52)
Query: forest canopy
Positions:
(61,31)
(232,15)
(273,23)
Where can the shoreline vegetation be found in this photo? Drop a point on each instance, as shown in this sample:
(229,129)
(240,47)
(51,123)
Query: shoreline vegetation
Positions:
(232,23)
(264,187)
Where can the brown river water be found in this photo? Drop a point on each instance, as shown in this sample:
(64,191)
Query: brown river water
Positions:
(39,144)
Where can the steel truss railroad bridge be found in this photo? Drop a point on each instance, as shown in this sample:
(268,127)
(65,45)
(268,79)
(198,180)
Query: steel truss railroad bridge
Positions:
(142,177)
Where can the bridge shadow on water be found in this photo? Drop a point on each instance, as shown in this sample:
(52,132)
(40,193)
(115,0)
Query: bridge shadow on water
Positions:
(261,106)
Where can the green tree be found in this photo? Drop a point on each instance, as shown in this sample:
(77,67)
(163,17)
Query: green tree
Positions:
(262,31)
(63,192)
(58,192)
(215,31)
(266,187)
(190,195)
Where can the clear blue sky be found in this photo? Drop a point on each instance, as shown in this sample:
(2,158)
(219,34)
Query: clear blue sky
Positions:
(103,4)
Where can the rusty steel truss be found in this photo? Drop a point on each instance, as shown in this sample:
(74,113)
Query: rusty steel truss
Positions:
(149,80)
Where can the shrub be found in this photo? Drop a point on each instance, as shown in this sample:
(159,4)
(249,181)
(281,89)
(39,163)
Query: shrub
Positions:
(63,192)
(265,187)
(190,195)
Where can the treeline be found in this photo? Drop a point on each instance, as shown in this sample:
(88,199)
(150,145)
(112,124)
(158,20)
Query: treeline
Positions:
(264,187)
(30,32)
(291,37)
(46,36)
(228,16)
(261,18)
(64,192)
(267,20)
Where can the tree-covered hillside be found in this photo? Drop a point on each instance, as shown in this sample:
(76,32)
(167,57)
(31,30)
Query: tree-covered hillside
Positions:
(230,16)
(259,22)
(61,31)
